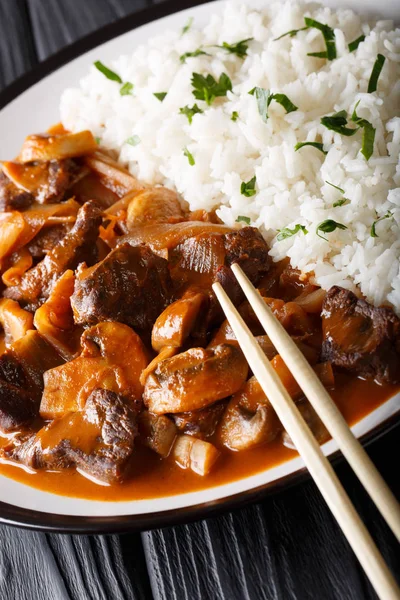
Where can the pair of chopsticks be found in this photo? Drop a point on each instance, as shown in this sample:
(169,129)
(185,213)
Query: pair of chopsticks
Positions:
(318,465)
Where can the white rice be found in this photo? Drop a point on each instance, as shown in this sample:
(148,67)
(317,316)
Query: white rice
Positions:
(291,186)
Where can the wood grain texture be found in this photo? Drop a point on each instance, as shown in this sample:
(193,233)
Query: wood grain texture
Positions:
(57,23)
(17,51)
(287,548)
(37,566)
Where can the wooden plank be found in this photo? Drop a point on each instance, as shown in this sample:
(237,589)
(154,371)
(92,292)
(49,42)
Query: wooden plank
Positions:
(59,23)
(36,566)
(286,548)
(17,52)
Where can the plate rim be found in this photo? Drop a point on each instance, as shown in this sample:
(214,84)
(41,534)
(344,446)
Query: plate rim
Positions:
(15,516)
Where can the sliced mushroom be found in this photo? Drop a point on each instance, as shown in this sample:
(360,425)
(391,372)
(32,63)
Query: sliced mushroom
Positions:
(194,454)
(113,357)
(43,148)
(249,419)
(177,321)
(195,379)
(157,432)
(154,205)
(201,423)
(317,427)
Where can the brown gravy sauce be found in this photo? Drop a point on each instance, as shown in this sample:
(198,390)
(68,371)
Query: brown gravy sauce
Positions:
(153,477)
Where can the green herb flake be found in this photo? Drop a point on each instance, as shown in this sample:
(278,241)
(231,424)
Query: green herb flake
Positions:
(317,145)
(126,89)
(160,95)
(341,202)
(355,43)
(329,38)
(335,186)
(328,226)
(290,33)
(97,140)
(190,112)
(240,219)
(368,138)
(264,99)
(198,52)
(338,122)
(239,49)
(284,101)
(107,72)
(234,116)
(134,140)
(388,215)
(207,88)
(188,25)
(376,71)
(262,96)
(189,156)
(248,188)
(287,232)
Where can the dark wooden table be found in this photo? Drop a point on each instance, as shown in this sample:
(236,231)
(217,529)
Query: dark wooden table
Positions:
(286,548)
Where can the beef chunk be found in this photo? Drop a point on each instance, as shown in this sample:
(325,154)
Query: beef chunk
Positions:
(78,245)
(359,337)
(99,440)
(17,407)
(46,240)
(248,248)
(11,197)
(21,379)
(60,176)
(131,285)
(202,423)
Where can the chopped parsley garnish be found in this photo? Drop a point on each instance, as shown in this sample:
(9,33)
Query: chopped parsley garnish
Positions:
(234,116)
(190,112)
(107,72)
(264,99)
(248,188)
(376,71)
(287,232)
(335,186)
(368,138)
(317,145)
(338,122)
(189,156)
(126,89)
(355,43)
(207,88)
(291,33)
(327,32)
(243,219)
(388,215)
(327,227)
(97,140)
(160,95)
(329,37)
(284,101)
(240,48)
(188,25)
(340,202)
(198,52)
(134,140)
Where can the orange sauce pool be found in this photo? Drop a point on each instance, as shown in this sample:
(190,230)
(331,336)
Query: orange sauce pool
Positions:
(154,477)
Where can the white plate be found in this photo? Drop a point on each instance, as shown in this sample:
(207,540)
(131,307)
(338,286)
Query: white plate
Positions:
(34,110)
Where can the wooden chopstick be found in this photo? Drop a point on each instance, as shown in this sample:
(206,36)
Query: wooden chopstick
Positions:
(325,407)
(317,464)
